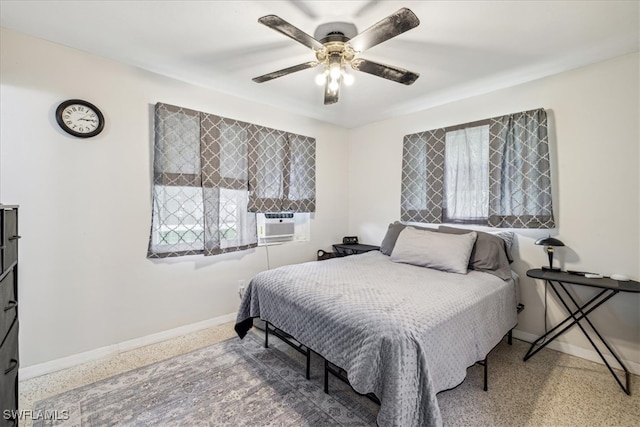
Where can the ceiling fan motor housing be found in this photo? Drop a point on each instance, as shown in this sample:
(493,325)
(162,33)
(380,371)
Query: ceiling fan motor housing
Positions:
(334,45)
(347,29)
(335,36)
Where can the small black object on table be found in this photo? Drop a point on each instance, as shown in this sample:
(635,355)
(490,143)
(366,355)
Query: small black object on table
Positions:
(608,288)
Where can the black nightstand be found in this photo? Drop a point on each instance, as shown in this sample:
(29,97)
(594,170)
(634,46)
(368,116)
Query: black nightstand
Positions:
(607,288)
(343,250)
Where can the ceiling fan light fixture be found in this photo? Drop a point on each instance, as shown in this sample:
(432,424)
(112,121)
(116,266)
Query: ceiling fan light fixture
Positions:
(334,85)
(335,70)
(347,78)
(321,79)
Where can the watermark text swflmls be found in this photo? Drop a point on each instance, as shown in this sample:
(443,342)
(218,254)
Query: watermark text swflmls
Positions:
(49,415)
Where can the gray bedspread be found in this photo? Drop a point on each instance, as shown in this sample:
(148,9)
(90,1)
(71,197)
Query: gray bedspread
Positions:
(400,331)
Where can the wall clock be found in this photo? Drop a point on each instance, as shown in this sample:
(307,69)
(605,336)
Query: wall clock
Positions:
(79,118)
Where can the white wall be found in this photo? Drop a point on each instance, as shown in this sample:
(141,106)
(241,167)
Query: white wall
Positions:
(595,141)
(85,208)
(85,204)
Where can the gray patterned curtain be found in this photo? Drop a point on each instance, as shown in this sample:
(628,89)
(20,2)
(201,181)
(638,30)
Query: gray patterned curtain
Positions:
(519,173)
(178,210)
(228,225)
(199,185)
(520,177)
(422,177)
(211,174)
(282,171)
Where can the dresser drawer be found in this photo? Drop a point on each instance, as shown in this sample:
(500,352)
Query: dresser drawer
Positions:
(9,373)
(8,303)
(9,238)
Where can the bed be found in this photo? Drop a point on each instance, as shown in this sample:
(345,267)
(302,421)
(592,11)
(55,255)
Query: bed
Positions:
(401,331)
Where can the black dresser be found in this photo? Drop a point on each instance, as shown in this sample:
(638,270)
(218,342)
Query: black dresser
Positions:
(9,362)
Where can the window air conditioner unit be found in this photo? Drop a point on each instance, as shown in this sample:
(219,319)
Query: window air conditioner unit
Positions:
(275,227)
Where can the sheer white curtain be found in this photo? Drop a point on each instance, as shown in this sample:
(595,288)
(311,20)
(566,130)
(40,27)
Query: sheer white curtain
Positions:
(466,180)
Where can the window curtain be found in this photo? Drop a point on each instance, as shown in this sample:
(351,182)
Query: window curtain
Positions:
(211,174)
(228,224)
(282,171)
(519,183)
(520,177)
(466,189)
(200,179)
(422,177)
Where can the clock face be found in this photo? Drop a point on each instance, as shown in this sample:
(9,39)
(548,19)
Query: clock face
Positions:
(79,118)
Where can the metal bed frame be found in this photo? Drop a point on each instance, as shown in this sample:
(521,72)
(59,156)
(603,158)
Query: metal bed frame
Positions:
(341,374)
(290,340)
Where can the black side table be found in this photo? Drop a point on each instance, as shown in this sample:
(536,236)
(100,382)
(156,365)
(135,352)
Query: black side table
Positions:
(343,250)
(608,288)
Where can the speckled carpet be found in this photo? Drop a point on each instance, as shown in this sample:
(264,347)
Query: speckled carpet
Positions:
(239,383)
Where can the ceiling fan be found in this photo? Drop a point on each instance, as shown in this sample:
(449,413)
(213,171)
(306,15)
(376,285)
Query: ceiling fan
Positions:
(340,46)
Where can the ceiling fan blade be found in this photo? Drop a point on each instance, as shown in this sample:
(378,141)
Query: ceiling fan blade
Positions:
(391,26)
(388,72)
(285,71)
(303,8)
(330,97)
(282,26)
(366,7)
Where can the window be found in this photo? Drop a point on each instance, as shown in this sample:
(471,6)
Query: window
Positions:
(495,172)
(203,165)
(466,178)
(182,209)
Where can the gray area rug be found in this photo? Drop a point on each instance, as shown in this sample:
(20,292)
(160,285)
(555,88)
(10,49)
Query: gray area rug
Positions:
(239,383)
(232,383)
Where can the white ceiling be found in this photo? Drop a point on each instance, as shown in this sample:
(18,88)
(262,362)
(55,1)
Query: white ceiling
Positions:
(460,48)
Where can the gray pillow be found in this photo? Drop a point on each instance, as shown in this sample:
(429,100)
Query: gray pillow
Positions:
(508,237)
(446,252)
(389,241)
(489,253)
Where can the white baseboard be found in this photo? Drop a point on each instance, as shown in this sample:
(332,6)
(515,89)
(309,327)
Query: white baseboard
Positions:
(112,350)
(574,350)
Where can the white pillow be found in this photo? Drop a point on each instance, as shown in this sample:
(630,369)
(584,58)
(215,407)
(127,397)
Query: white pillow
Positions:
(446,252)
